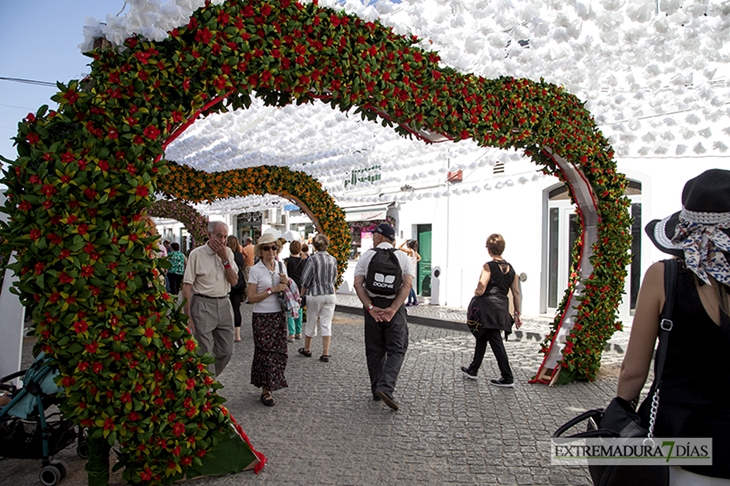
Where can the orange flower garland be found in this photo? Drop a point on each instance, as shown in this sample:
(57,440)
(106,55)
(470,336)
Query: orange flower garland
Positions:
(195,186)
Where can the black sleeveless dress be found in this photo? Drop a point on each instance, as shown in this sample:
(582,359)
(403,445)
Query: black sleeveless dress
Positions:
(694,400)
(493,303)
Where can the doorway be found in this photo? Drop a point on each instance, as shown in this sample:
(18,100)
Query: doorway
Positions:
(423,268)
(248,224)
(563,229)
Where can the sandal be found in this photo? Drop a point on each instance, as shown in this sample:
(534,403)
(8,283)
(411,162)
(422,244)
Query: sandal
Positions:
(304,352)
(325,358)
(267,399)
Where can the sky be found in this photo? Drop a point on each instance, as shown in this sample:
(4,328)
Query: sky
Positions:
(39,40)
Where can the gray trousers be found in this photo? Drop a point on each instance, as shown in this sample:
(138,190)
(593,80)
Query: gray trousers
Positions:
(213,319)
(385,347)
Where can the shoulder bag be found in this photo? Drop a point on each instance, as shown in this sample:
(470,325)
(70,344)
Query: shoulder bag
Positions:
(619,419)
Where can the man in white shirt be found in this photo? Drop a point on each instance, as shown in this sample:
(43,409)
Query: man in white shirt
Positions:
(386,329)
(209,275)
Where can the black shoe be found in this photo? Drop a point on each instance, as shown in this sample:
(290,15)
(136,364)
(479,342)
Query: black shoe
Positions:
(305,353)
(325,358)
(267,399)
(472,375)
(388,400)
(502,383)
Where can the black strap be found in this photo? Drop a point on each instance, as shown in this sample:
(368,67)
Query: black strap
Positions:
(665,320)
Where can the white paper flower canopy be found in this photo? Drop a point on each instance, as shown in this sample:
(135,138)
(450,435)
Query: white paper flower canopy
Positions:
(654,74)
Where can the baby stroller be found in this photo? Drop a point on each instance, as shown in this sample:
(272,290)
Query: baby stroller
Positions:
(31,427)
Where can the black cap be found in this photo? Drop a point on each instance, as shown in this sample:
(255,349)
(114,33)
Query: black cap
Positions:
(386,230)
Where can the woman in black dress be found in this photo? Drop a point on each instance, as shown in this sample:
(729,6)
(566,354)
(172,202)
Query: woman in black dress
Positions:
(237,291)
(497,279)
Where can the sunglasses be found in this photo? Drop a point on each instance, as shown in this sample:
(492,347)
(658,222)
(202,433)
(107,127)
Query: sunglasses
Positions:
(267,248)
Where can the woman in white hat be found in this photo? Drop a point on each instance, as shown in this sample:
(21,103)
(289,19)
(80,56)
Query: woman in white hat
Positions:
(266,280)
(694,398)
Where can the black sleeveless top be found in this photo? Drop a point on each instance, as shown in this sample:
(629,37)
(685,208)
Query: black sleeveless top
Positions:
(493,303)
(694,399)
(294,268)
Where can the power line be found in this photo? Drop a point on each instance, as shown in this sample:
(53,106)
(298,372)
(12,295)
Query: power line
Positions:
(29,81)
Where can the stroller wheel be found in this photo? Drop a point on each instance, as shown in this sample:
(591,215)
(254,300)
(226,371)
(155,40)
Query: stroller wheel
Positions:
(61,467)
(51,475)
(82,450)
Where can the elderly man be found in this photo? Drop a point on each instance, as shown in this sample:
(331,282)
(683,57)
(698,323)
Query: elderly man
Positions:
(383,278)
(209,275)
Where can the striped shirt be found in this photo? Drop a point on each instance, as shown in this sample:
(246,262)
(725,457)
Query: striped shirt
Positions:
(320,273)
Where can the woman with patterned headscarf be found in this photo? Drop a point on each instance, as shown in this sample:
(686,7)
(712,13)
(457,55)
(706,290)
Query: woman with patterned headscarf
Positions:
(694,398)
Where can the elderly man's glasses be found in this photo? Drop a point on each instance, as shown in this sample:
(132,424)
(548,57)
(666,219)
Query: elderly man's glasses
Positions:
(267,248)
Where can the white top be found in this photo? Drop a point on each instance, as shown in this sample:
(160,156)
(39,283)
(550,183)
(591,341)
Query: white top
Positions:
(264,279)
(206,273)
(406,264)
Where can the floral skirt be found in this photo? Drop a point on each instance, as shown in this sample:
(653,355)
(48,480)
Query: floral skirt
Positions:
(270,350)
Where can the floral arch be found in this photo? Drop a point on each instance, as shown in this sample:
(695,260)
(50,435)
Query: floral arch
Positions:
(86,173)
(194,222)
(195,186)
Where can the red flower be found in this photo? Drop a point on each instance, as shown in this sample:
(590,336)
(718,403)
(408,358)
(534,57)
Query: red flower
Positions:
(220,83)
(33,138)
(71,96)
(203,35)
(49,190)
(178,429)
(151,132)
(64,278)
(91,349)
(190,345)
(68,381)
(146,475)
(149,332)
(142,191)
(80,326)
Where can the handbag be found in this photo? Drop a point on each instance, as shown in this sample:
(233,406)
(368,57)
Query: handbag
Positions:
(474,316)
(620,419)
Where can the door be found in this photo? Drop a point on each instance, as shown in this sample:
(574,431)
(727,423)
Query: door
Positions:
(423,270)
(563,231)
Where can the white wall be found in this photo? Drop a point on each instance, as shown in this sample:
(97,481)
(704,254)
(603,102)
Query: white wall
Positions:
(461,224)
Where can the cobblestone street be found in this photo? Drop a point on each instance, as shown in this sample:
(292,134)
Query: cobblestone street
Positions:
(325,429)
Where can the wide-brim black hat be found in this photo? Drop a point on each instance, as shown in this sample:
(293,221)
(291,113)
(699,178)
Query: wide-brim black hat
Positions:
(661,232)
(705,200)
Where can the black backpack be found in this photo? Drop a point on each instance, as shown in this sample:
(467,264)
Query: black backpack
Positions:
(384,276)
